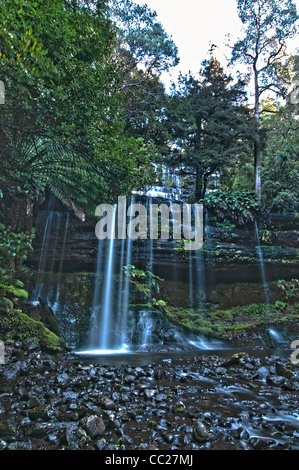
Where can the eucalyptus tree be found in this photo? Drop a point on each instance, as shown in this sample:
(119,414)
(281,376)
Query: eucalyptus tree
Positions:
(267,26)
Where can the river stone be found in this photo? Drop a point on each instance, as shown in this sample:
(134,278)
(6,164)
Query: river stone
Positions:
(235,360)
(200,432)
(32,402)
(159,373)
(192,411)
(261,443)
(149,393)
(20,446)
(39,412)
(263,372)
(168,438)
(282,370)
(101,444)
(75,436)
(111,419)
(3,444)
(9,377)
(129,379)
(62,378)
(93,425)
(277,380)
(107,403)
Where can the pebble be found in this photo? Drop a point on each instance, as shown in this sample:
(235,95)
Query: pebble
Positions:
(76,406)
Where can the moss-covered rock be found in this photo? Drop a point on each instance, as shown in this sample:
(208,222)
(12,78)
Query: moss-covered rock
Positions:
(233,322)
(17,326)
(6,429)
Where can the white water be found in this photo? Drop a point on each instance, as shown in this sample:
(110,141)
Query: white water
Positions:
(48,252)
(55,304)
(110,308)
(106,318)
(262,264)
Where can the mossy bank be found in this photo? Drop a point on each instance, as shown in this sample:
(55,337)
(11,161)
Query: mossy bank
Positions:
(17,326)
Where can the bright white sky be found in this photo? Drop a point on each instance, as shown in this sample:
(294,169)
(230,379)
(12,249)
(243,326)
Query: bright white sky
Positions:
(196,24)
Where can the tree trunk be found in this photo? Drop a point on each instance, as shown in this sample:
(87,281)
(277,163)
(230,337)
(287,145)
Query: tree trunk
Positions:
(199,193)
(257,138)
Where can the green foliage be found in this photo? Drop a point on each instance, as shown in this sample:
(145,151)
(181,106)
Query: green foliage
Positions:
(145,283)
(290,289)
(14,249)
(208,122)
(240,207)
(146,42)
(267,27)
(280,305)
(161,304)
(13,291)
(279,166)
(61,127)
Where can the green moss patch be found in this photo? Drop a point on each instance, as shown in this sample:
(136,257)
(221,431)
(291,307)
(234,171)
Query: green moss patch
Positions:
(17,326)
(219,323)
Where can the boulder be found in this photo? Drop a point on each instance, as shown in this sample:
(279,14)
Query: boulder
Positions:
(93,425)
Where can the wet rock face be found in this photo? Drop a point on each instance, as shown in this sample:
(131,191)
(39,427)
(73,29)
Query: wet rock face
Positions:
(188,402)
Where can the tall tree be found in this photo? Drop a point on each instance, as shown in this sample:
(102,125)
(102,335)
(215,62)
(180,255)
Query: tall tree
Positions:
(279,162)
(208,122)
(268,24)
(60,127)
(144,111)
(54,59)
(141,40)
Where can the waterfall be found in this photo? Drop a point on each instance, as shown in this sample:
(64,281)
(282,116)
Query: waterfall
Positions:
(48,285)
(48,254)
(145,326)
(56,302)
(124,307)
(110,308)
(115,327)
(262,264)
(190,262)
(201,283)
(107,307)
(196,268)
(150,252)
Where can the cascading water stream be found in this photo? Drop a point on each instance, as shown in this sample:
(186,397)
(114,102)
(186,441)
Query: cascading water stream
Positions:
(124,307)
(58,288)
(150,253)
(48,254)
(110,308)
(190,262)
(273,335)
(262,264)
(105,341)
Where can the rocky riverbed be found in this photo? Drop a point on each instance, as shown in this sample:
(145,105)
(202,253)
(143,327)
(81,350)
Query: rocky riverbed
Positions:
(231,401)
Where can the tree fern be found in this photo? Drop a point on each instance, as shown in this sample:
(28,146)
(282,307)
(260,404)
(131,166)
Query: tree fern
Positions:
(34,163)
